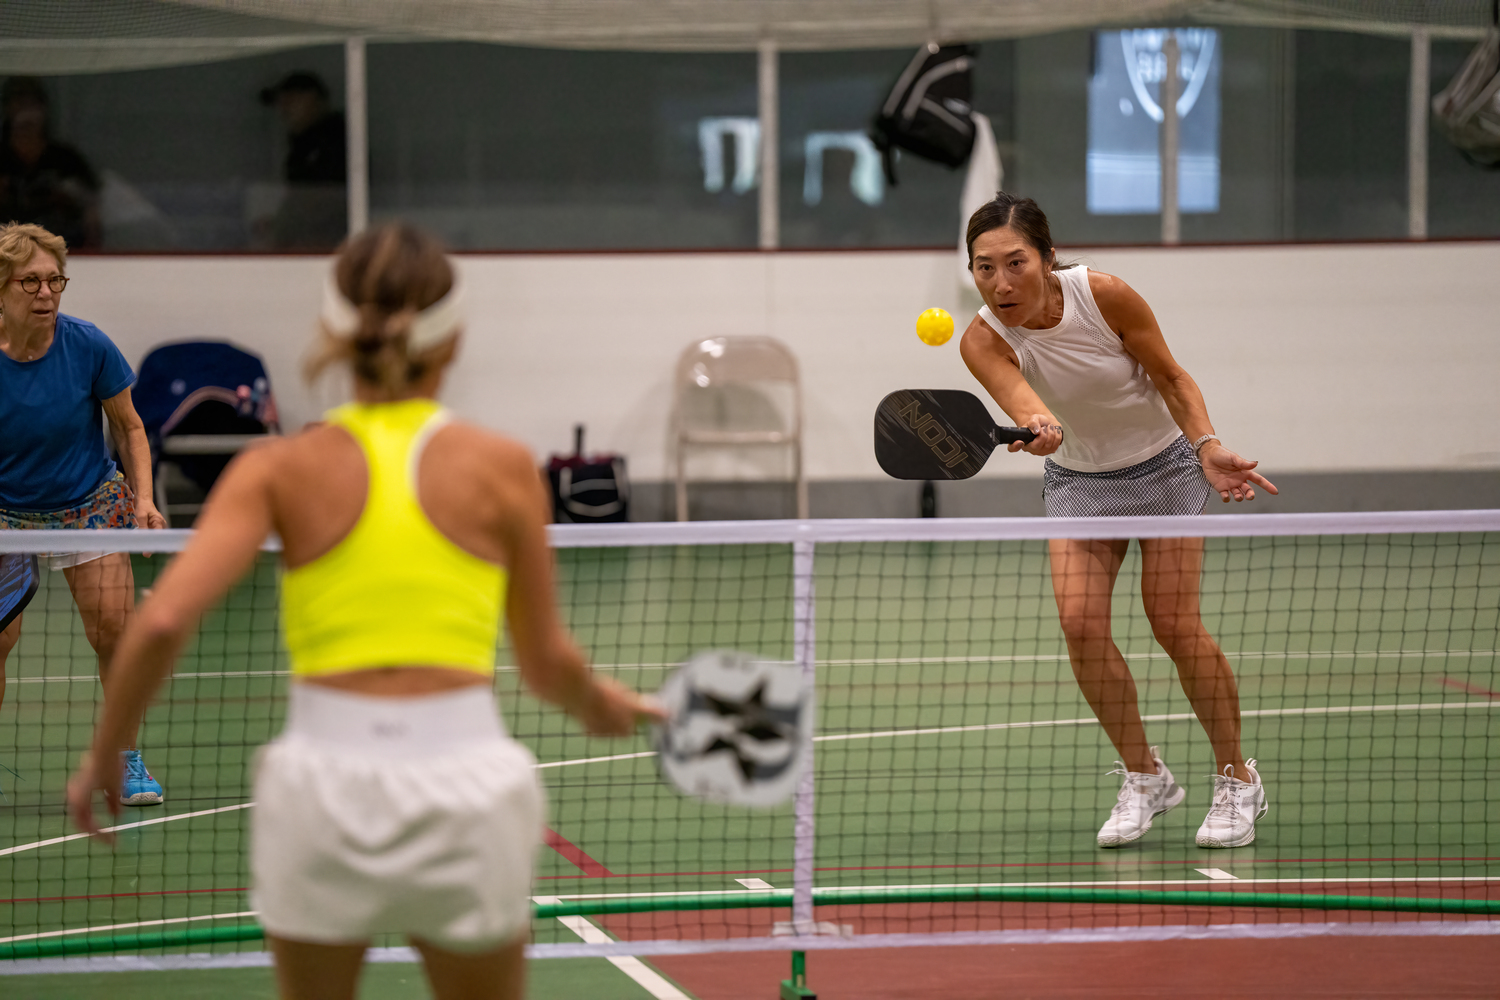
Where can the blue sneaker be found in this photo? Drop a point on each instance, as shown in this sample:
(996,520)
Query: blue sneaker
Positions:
(139,788)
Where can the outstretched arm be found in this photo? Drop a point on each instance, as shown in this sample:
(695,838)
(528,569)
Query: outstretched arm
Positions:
(235,521)
(551,663)
(1231,476)
(992,361)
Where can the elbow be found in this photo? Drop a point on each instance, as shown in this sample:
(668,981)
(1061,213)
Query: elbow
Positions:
(159,625)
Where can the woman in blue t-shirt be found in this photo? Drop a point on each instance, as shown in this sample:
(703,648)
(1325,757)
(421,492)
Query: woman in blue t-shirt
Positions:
(57,375)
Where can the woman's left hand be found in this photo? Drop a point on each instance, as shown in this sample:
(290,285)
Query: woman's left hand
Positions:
(147,516)
(89,779)
(1230,475)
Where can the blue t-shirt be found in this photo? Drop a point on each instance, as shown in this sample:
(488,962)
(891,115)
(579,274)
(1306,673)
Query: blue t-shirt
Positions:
(52,450)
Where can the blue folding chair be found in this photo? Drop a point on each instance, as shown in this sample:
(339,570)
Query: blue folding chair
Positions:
(201,401)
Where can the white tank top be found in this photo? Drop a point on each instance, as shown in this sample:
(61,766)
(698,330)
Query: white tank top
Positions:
(1111,414)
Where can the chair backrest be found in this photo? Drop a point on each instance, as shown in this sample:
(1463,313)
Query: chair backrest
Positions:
(733,382)
(175,379)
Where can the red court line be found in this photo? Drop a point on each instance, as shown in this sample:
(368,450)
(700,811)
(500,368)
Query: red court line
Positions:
(119,895)
(1470,688)
(1109,862)
(572,852)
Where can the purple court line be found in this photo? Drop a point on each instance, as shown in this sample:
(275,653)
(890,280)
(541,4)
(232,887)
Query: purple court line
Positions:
(572,852)
(1470,688)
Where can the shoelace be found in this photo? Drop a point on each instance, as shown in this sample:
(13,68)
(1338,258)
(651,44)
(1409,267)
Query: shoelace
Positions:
(1226,802)
(1130,784)
(1226,799)
(135,768)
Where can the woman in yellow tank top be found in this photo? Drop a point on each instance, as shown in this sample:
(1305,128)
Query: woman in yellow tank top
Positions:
(393,800)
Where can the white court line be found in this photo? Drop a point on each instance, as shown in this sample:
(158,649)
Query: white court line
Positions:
(1426,706)
(1217,873)
(123,826)
(1430,706)
(1098,883)
(894,661)
(645,977)
(597,760)
(122,927)
(1438,706)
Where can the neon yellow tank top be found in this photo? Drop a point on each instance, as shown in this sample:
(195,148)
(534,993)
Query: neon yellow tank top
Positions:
(394,591)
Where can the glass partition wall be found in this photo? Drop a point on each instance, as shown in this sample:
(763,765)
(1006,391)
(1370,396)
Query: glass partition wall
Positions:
(1286,136)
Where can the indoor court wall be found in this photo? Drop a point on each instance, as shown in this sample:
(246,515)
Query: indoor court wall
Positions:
(1321,361)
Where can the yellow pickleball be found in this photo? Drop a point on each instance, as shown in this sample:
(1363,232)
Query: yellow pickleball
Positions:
(935,326)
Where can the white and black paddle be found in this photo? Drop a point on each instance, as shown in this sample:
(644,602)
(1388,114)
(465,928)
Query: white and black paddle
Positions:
(737,728)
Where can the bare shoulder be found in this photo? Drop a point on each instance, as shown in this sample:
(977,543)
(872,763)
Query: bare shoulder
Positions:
(494,451)
(1121,305)
(1108,287)
(982,341)
(309,450)
(492,464)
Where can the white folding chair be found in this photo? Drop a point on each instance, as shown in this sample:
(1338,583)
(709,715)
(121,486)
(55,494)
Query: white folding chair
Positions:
(737,392)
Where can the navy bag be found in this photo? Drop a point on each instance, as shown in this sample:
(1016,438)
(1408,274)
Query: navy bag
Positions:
(588,489)
(928,109)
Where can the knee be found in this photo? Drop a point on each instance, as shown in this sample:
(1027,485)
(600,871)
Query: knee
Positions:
(108,629)
(1081,626)
(1176,632)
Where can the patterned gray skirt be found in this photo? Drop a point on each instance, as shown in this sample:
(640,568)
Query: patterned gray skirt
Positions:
(1169,482)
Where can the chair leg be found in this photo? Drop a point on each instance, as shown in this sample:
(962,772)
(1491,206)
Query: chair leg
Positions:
(681,490)
(802,508)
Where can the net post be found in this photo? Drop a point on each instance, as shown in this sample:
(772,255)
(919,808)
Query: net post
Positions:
(804,650)
(796,987)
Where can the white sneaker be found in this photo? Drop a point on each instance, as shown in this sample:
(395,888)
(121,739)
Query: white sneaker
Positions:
(1237,805)
(1142,798)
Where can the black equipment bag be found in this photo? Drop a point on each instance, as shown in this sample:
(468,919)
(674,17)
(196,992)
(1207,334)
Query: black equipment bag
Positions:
(588,489)
(928,110)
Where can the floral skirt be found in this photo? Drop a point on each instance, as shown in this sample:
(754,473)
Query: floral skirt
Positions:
(109,506)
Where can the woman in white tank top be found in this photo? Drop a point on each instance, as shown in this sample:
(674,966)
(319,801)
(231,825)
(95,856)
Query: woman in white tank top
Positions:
(1077,356)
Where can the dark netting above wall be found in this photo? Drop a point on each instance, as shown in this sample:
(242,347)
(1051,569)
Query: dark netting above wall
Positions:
(50,37)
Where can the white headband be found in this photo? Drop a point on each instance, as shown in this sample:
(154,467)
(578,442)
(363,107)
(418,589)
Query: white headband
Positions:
(429,327)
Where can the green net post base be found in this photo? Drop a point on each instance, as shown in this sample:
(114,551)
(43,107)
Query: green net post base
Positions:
(796,987)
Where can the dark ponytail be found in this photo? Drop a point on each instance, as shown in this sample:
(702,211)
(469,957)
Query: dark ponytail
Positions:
(1020,214)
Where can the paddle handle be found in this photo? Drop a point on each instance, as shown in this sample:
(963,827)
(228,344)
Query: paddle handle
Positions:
(1005,435)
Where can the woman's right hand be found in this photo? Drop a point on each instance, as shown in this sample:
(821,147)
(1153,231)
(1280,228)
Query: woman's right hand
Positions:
(612,709)
(1049,436)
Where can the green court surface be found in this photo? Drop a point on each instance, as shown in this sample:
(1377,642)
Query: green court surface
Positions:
(563,979)
(953,746)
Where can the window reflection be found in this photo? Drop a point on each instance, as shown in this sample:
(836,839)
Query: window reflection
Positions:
(1124,159)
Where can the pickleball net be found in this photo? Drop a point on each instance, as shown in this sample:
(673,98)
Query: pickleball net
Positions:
(959,776)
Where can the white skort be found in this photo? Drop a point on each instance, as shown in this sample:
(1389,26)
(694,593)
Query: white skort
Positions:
(416,816)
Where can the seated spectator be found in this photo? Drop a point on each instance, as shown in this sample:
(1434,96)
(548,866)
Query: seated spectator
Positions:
(43,181)
(314,213)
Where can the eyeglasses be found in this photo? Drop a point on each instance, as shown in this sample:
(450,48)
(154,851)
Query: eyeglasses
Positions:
(31,284)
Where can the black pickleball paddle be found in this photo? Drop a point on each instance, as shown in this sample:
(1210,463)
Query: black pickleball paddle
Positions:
(937,434)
